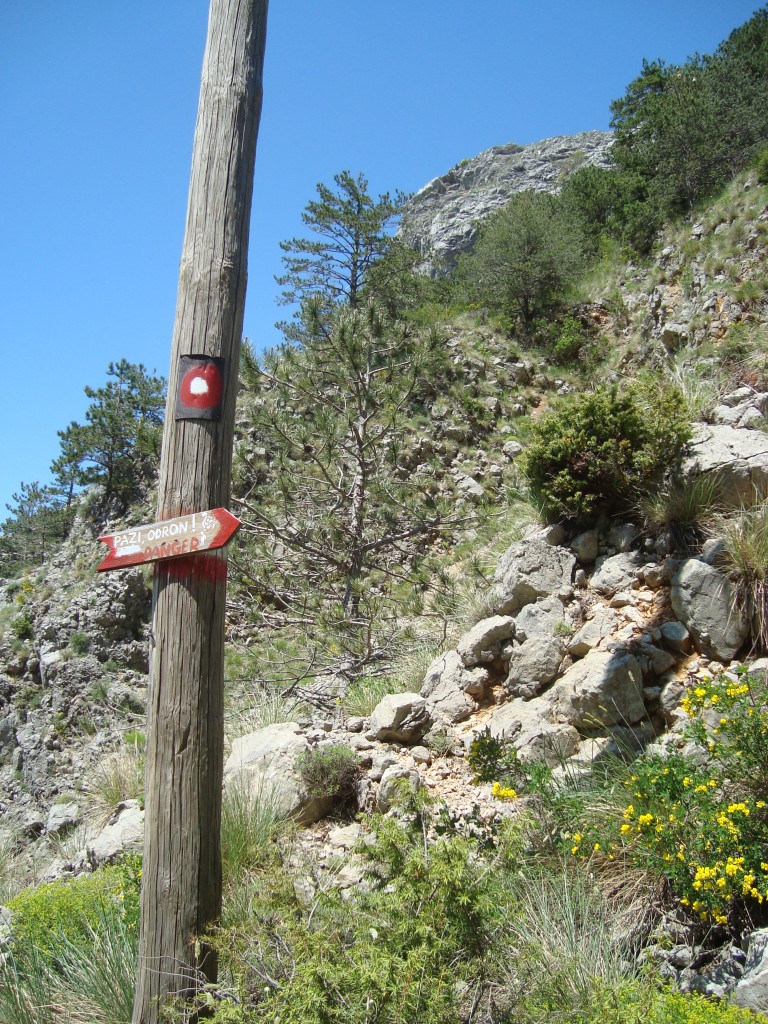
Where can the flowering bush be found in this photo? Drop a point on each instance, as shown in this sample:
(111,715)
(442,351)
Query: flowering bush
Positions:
(703,827)
(66,910)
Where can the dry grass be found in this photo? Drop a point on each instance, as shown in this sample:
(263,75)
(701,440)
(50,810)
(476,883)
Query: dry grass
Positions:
(120,777)
(745,560)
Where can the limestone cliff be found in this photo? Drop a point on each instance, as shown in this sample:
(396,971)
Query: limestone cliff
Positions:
(441,219)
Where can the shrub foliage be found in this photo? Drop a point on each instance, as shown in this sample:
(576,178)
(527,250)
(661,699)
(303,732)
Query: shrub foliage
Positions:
(594,453)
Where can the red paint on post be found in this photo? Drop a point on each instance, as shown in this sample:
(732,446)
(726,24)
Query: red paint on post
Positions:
(171,538)
(201,387)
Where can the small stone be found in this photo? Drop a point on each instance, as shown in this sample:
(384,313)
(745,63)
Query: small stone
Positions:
(62,815)
(675,635)
(585,546)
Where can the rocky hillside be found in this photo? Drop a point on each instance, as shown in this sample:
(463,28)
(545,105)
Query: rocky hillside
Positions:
(440,221)
(575,647)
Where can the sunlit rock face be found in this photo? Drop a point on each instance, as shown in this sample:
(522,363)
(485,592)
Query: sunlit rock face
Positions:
(441,219)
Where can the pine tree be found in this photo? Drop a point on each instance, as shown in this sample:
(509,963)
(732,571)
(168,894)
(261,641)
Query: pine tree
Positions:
(38,521)
(526,254)
(350,232)
(332,515)
(119,443)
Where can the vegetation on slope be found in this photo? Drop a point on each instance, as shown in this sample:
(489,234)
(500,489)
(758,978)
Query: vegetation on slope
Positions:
(355,441)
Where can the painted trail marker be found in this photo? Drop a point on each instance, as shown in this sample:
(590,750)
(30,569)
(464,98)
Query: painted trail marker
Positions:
(171,538)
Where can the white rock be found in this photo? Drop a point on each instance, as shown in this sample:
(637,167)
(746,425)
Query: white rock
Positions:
(400,718)
(123,834)
(604,689)
(482,644)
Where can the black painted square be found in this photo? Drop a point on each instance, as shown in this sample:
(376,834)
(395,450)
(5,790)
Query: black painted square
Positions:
(201,388)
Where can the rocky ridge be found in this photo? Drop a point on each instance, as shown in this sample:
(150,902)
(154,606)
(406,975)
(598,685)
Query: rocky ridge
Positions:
(440,221)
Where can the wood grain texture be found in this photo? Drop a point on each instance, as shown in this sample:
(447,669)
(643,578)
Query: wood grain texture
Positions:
(181,880)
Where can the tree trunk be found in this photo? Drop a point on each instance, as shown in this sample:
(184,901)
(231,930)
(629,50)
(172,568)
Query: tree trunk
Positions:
(181,880)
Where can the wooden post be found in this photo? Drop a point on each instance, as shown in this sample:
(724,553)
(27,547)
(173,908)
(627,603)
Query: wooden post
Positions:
(181,880)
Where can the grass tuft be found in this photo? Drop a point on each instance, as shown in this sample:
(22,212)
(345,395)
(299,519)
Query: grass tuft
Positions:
(745,560)
(251,818)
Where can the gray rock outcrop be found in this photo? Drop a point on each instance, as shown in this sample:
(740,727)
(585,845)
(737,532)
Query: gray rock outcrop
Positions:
(704,600)
(441,219)
(529,570)
(448,688)
(736,456)
(533,664)
(482,644)
(264,762)
(400,718)
(123,833)
(603,690)
(752,990)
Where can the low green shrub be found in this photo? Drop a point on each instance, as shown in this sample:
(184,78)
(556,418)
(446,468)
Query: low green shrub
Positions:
(79,642)
(331,771)
(671,1007)
(411,945)
(22,626)
(761,166)
(569,340)
(627,1002)
(593,453)
(70,910)
(493,759)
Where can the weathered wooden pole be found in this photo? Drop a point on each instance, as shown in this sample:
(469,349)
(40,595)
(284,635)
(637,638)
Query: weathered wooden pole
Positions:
(181,880)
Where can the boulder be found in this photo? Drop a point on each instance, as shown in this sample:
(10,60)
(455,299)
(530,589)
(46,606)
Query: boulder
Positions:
(443,689)
(615,573)
(552,742)
(595,630)
(585,546)
(468,486)
(390,784)
(528,570)
(540,618)
(604,689)
(123,834)
(676,636)
(264,763)
(533,664)
(704,600)
(672,693)
(512,449)
(741,408)
(400,718)
(622,536)
(752,990)
(531,729)
(62,815)
(736,456)
(516,718)
(483,643)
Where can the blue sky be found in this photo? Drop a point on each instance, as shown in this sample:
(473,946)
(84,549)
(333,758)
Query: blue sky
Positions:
(97,110)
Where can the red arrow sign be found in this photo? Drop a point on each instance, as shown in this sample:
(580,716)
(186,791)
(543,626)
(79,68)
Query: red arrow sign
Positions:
(185,535)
